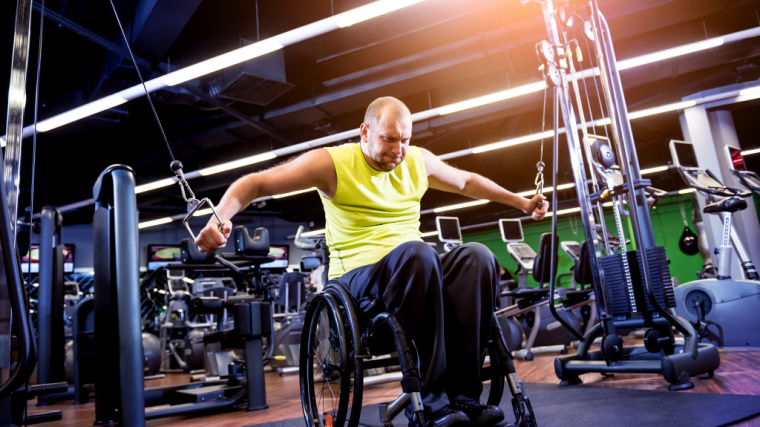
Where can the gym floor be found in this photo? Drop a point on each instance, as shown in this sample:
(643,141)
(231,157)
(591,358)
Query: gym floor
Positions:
(739,373)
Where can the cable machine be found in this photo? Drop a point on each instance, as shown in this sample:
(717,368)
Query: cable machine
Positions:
(633,288)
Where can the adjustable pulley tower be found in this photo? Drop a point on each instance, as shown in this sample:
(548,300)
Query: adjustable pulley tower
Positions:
(633,288)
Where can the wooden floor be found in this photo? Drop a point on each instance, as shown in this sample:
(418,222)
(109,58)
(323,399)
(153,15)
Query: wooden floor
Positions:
(739,373)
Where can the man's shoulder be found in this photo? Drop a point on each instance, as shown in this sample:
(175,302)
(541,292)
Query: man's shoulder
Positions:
(348,147)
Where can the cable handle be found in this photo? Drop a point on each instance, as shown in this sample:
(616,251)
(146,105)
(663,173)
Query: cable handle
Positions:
(193,204)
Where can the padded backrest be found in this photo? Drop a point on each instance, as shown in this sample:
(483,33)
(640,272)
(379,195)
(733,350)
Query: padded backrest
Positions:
(245,245)
(291,286)
(543,264)
(582,273)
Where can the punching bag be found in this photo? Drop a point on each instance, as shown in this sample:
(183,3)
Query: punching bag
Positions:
(689,242)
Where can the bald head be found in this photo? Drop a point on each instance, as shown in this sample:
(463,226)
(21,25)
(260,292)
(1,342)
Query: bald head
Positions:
(385,133)
(386,105)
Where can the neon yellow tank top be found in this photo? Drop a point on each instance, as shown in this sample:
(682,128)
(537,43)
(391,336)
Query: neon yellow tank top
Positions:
(372,211)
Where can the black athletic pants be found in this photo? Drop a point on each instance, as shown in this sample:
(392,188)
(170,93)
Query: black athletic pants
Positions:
(445,304)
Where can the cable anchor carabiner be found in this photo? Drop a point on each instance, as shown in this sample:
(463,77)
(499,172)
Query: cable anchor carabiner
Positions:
(193,204)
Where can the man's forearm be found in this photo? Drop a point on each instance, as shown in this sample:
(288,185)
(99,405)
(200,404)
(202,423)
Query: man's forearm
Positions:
(480,187)
(239,195)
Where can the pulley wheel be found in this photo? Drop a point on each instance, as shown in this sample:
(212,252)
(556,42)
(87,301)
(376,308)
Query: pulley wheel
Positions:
(612,347)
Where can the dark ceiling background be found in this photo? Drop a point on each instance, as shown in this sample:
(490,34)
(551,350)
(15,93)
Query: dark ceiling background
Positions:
(429,55)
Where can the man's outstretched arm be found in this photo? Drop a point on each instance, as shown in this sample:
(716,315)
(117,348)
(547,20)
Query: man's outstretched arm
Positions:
(442,176)
(312,169)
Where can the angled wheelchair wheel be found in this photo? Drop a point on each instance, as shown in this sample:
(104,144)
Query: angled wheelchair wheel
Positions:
(328,372)
(493,377)
(495,371)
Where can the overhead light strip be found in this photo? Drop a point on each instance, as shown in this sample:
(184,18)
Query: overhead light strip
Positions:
(254,50)
(293,36)
(329,24)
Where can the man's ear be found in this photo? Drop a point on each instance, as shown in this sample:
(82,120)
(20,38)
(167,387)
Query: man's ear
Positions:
(364,132)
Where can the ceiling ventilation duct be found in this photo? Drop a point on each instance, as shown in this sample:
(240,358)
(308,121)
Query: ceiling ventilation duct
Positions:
(258,81)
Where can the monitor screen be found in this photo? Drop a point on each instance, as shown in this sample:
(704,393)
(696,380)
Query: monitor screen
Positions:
(735,159)
(448,229)
(511,230)
(280,254)
(159,255)
(30,260)
(683,154)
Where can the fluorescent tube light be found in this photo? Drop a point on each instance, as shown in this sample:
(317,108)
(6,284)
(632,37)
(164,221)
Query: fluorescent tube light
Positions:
(313,233)
(222,61)
(237,163)
(293,193)
(492,97)
(750,91)
(203,212)
(372,10)
(661,109)
(154,222)
(669,53)
(564,211)
(460,206)
(83,111)
(429,234)
(154,185)
(750,152)
(654,170)
(513,141)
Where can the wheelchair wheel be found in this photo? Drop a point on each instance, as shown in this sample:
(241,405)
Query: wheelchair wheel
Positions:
(327,369)
(493,377)
(353,343)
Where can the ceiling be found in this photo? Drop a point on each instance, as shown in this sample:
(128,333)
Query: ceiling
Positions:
(431,54)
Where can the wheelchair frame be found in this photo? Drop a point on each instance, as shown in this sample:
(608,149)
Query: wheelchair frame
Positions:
(332,364)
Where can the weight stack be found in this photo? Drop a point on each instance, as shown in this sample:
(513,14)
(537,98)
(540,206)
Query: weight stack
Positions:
(622,295)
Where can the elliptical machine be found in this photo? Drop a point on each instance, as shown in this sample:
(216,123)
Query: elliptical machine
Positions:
(747,177)
(723,310)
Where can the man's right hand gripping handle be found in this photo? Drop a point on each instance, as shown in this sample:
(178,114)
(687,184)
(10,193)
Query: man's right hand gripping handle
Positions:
(213,236)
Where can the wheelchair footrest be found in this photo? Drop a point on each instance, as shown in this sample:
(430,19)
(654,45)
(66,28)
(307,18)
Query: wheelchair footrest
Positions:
(389,410)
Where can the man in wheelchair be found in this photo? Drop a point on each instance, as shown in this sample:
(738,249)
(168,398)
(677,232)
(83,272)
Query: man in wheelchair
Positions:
(371,192)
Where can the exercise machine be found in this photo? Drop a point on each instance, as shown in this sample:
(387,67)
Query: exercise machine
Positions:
(725,311)
(633,288)
(120,393)
(580,278)
(528,316)
(721,200)
(747,177)
(449,232)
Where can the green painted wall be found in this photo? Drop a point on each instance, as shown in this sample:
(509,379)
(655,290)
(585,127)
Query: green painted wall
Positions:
(667,225)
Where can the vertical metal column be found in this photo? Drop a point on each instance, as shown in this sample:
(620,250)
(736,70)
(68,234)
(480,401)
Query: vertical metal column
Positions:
(119,396)
(16,103)
(14,127)
(575,149)
(626,147)
(50,342)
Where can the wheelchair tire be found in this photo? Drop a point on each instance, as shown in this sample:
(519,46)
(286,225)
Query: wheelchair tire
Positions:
(327,369)
(493,379)
(347,306)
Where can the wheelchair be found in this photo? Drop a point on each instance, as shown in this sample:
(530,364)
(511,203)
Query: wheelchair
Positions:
(338,344)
